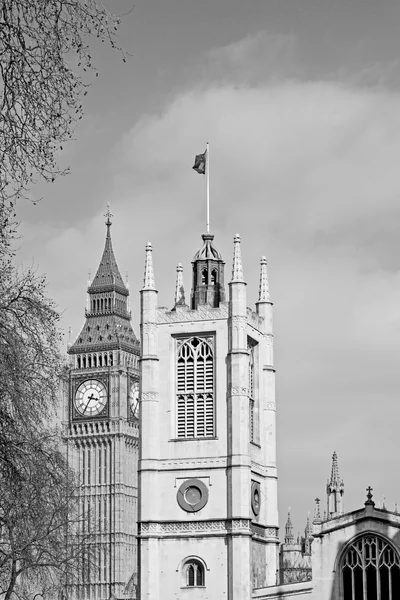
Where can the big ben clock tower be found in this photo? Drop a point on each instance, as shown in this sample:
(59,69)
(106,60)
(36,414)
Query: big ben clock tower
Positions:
(101,424)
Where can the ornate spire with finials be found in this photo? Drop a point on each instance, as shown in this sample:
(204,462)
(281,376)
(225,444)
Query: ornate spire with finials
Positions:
(334,491)
(208,275)
(237,267)
(107,312)
(289,537)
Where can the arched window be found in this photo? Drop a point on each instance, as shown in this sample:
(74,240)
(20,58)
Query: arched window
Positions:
(95,360)
(193,572)
(195,388)
(204,277)
(371,569)
(89,361)
(105,360)
(100,359)
(213,277)
(84,362)
(79,362)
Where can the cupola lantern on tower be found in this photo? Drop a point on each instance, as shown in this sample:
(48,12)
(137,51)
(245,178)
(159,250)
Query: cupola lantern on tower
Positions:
(208,275)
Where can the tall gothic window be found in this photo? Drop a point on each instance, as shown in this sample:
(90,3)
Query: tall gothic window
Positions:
(195,388)
(371,570)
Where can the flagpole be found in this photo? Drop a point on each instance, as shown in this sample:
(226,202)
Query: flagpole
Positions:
(208,185)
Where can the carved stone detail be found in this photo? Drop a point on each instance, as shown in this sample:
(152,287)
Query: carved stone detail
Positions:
(185,314)
(239,391)
(223,526)
(149,396)
(264,532)
(254,319)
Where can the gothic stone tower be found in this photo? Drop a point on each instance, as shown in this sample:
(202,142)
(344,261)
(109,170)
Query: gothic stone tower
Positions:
(208,519)
(102,434)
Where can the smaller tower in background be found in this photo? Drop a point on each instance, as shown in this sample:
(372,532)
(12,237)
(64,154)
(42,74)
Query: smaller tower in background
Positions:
(289,537)
(334,491)
(295,555)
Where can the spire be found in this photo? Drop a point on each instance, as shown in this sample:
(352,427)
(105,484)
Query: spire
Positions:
(317,512)
(307,536)
(334,491)
(108,273)
(289,537)
(308,529)
(334,471)
(263,294)
(108,316)
(237,268)
(148,283)
(179,289)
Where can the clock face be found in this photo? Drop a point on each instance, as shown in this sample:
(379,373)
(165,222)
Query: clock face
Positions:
(90,398)
(134,399)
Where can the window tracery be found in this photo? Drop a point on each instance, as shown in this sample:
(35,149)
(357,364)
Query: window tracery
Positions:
(195,388)
(371,569)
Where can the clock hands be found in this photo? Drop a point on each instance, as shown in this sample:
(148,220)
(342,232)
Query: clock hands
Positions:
(91,397)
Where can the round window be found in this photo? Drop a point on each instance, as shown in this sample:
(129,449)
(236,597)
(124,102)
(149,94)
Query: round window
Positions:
(255,497)
(192,495)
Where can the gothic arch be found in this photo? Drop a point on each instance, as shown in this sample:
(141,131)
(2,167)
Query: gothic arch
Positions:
(369,562)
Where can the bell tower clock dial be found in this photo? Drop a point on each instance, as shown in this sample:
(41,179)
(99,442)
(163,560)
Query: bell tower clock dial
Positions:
(102,432)
(134,399)
(90,398)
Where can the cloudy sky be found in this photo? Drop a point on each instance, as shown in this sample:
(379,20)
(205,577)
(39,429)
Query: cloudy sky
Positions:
(299,100)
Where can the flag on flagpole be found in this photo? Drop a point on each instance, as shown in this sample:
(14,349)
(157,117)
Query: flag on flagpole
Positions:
(200,163)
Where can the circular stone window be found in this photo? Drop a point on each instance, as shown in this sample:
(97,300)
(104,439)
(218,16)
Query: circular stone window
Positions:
(255,497)
(192,495)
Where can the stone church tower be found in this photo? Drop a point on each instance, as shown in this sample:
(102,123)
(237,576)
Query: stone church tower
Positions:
(101,431)
(208,517)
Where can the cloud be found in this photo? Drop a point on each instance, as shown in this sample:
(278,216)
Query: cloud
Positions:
(307,172)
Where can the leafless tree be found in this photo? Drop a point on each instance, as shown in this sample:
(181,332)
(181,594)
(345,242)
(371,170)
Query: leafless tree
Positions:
(45,57)
(41,541)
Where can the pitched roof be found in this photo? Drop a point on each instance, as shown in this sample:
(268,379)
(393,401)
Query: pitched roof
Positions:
(108,274)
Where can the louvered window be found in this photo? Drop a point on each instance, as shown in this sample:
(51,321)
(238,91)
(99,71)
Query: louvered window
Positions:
(195,388)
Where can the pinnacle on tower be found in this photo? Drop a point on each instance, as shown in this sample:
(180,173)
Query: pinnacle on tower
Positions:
(148,283)
(317,512)
(263,294)
(334,471)
(289,537)
(334,490)
(179,289)
(237,267)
